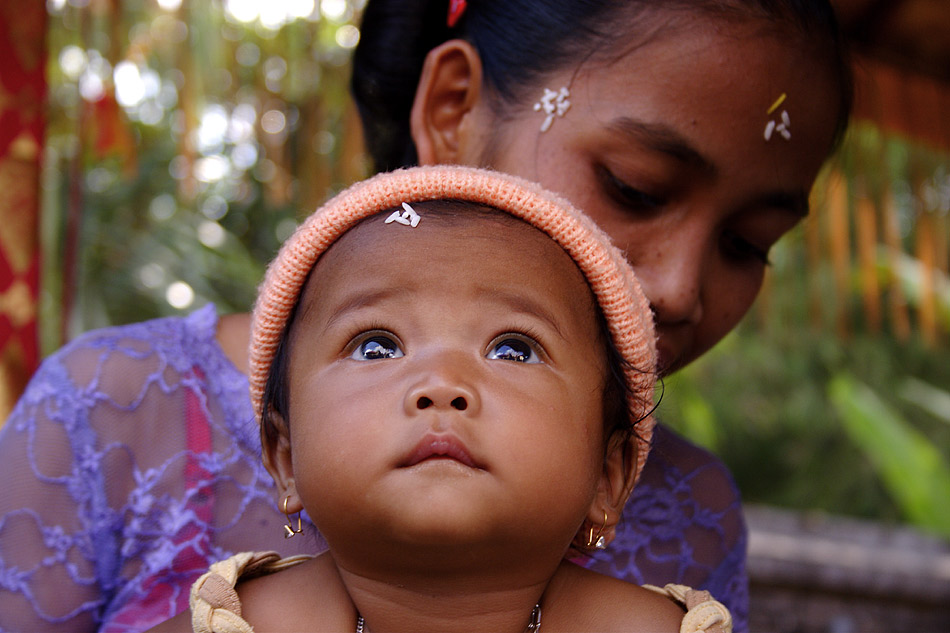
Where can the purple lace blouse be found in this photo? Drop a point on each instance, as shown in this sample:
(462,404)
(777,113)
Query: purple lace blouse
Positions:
(132,462)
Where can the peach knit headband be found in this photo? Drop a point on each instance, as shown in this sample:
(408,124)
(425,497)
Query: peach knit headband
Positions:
(611,279)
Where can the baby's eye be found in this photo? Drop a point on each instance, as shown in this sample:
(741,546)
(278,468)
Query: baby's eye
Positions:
(377,348)
(514,349)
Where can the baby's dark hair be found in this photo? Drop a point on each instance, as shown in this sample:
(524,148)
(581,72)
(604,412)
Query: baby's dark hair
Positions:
(618,424)
(519,41)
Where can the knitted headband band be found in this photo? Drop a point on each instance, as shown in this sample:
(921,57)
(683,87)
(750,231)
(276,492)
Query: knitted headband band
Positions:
(611,279)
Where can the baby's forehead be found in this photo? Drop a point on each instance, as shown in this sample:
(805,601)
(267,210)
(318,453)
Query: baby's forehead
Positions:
(433,218)
(403,245)
(446,213)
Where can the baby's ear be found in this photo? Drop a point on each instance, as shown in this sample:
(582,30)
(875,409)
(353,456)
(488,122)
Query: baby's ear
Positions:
(616,484)
(278,462)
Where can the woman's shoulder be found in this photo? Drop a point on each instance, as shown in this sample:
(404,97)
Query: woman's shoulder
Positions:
(682,524)
(118,365)
(105,379)
(671,452)
(682,477)
(113,364)
(176,341)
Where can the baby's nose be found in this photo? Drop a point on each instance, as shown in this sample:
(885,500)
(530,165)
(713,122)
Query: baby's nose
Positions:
(459,403)
(442,389)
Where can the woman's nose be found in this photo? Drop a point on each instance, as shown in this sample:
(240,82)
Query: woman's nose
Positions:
(672,279)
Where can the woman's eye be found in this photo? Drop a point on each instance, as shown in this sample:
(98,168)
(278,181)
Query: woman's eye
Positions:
(740,249)
(377,348)
(513,349)
(629,197)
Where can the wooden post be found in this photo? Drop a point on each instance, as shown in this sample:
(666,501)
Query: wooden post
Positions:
(900,320)
(866,226)
(840,248)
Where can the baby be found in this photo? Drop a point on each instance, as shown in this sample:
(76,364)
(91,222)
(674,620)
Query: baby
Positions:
(454,371)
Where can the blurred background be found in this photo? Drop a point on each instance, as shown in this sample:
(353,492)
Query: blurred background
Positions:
(154,154)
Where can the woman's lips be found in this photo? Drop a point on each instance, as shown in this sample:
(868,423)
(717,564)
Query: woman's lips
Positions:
(666,357)
(434,446)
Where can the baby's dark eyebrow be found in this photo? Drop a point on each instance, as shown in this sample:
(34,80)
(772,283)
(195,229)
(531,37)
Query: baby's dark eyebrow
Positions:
(664,139)
(357,301)
(524,305)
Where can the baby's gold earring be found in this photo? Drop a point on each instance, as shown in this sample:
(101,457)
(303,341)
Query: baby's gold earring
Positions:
(597,541)
(289,531)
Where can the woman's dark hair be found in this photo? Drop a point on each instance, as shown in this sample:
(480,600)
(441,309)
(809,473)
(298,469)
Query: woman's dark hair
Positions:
(519,41)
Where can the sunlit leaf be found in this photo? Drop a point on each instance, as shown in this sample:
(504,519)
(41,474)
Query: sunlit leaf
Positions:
(915,473)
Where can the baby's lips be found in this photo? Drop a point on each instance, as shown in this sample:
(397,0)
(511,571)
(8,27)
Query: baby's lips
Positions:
(440,445)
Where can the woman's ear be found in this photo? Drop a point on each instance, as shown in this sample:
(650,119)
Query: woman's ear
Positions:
(616,484)
(277,459)
(449,88)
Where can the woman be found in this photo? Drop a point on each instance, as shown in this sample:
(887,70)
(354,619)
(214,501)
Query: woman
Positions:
(690,130)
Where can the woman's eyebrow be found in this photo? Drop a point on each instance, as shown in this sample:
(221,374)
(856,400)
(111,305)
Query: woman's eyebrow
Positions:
(662,138)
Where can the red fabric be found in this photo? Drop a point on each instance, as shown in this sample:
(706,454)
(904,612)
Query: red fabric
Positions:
(22,122)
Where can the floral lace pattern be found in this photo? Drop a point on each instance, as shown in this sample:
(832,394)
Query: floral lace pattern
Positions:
(132,462)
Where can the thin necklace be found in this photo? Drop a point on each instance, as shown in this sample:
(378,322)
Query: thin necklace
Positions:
(534,625)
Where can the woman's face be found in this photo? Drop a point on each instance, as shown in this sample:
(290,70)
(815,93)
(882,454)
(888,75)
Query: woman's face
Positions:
(665,148)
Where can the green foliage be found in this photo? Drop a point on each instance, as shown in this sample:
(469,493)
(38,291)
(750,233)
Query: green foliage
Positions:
(911,467)
(804,419)
(770,399)
(172,185)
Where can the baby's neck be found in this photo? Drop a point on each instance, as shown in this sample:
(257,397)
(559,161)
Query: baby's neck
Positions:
(320,595)
(476,602)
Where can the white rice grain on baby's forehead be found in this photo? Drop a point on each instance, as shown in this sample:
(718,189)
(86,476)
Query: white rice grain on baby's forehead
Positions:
(478,221)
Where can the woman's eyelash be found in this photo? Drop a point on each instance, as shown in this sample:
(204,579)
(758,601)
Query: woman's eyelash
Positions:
(742,249)
(628,196)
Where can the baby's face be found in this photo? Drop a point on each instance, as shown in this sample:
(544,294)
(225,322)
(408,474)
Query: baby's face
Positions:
(445,388)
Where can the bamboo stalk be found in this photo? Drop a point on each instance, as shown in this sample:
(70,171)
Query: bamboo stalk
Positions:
(187,98)
(840,249)
(813,253)
(925,247)
(942,241)
(866,228)
(900,320)
(313,171)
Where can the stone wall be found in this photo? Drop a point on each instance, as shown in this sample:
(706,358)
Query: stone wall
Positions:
(814,573)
